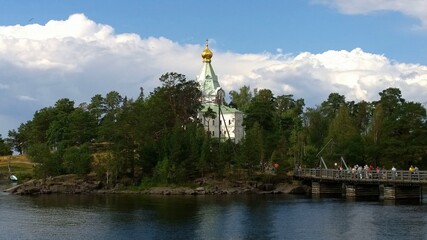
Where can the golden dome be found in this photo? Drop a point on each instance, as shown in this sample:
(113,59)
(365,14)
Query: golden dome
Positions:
(207,54)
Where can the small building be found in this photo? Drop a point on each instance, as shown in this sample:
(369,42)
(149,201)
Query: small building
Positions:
(218,119)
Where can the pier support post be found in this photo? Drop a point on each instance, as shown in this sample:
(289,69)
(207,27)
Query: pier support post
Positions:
(319,188)
(402,192)
(361,190)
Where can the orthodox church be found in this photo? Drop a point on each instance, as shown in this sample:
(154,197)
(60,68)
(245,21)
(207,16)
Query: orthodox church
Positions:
(219,120)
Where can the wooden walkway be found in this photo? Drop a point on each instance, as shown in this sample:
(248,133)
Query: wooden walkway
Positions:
(386,177)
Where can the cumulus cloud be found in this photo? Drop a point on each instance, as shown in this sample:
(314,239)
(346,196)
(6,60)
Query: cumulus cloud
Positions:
(356,74)
(77,58)
(412,8)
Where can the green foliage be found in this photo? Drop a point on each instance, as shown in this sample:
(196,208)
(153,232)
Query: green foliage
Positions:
(241,100)
(159,138)
(331,106)
(5,148)
(252,151)
(204,162)
(260,110)
(163,172)
(147,183)
(77,160)
(44,162)
(208,116)
(316,127)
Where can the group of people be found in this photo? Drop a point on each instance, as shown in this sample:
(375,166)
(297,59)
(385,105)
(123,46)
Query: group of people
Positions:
(369,172)
(365,172)
(413,169)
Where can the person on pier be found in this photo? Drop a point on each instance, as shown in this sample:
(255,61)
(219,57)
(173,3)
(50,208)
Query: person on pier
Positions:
(393,172)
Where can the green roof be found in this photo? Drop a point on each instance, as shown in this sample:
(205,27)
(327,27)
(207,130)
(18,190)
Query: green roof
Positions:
(214,107)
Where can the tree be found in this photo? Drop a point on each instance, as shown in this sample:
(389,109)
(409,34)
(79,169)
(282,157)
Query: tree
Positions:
(182,96)
(14,141)
(208,116)
(39,125)
(44,162)
(82,127)
(362,114)
(130,135)
(241,100)
(391,98)
(97,107)
(346,137)
(252,149)
(59,132)
(375,135)
(5,148)
(77,160)
(287,123)
(397,127)
(316,127)
(206,156)
(112,105)
(260,110)
(330,107)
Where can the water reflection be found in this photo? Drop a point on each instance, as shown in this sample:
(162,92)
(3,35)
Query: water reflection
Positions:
(207,217)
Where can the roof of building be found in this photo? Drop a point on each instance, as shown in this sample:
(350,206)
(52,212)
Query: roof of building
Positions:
(214,107)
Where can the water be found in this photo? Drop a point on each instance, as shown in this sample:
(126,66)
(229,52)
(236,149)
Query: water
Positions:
(207,217)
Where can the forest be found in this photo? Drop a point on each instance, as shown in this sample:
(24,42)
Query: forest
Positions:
(159,138)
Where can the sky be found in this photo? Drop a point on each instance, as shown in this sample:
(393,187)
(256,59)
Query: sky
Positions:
(76,49)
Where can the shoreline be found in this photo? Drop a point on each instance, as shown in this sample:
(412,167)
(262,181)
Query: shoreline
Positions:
(74,184)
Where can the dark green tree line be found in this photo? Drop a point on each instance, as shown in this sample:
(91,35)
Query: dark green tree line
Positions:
(159,137)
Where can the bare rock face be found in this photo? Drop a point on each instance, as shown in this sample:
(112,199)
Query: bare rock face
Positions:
(72,184)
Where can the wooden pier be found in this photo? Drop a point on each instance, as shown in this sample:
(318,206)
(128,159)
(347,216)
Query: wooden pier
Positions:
(354,184)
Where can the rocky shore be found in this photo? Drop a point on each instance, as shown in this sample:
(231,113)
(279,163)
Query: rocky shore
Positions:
(74,184)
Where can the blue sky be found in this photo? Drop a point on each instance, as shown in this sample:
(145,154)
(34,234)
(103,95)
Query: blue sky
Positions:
(310,48)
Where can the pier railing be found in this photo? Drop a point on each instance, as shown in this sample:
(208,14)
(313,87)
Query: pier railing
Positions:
(365,176)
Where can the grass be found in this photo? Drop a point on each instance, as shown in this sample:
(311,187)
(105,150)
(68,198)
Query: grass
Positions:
(19,165)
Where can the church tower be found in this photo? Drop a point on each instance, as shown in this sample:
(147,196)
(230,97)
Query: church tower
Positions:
(219,120)
(208,80)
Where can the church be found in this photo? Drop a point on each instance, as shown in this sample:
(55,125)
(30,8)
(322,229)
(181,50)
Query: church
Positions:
(218,119)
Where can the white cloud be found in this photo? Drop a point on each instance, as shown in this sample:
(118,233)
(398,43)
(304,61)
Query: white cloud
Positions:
(412,8)
(26,98)
(356,74)
(78,58)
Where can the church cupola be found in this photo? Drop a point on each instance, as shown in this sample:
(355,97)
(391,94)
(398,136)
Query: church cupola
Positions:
(207,53)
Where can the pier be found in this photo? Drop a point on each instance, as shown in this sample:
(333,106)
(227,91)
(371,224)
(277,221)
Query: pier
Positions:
(354,184)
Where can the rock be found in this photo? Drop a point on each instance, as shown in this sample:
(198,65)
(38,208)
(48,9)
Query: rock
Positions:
(189,192)
(62,184)
(266,187)
(300,190)
(74,184)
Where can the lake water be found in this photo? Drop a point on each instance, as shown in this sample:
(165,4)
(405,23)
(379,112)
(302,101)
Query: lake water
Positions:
(207,217)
